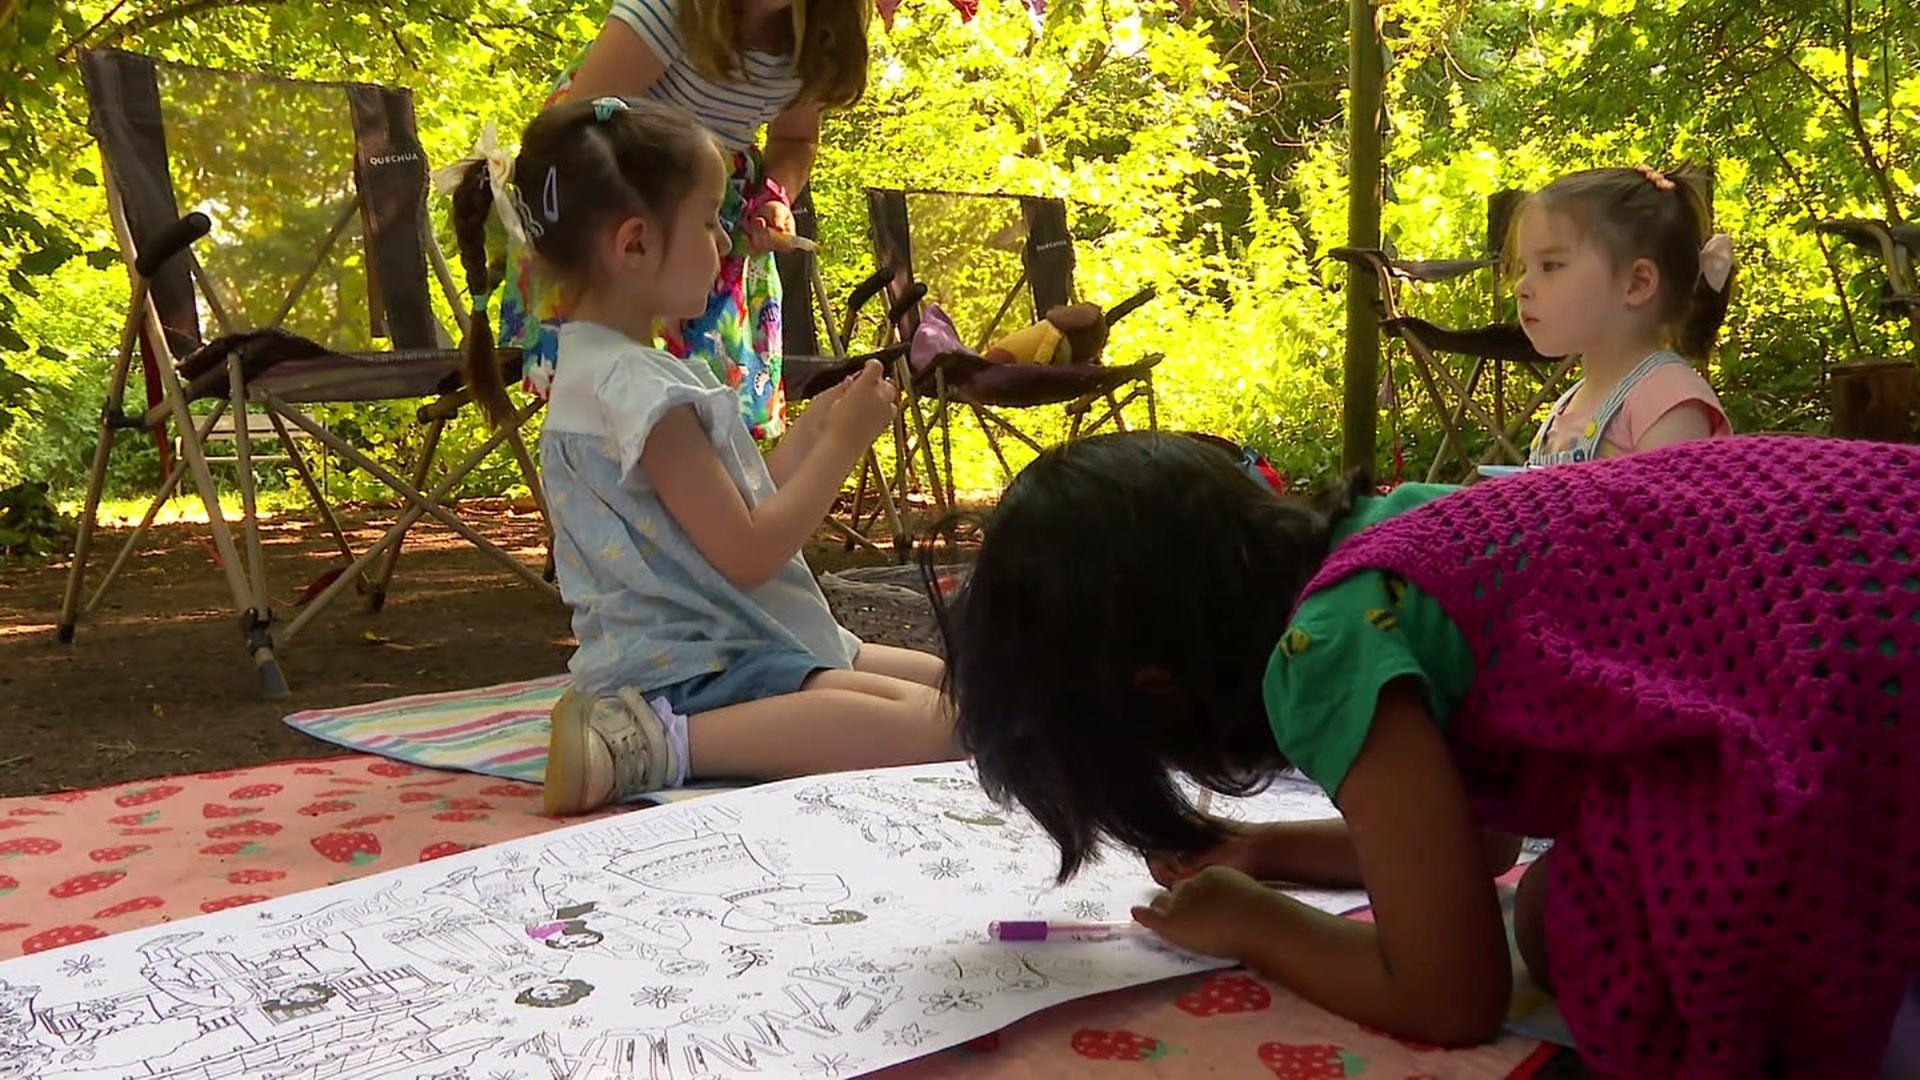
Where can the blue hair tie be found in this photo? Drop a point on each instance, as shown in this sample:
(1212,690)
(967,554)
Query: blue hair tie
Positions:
(604,108)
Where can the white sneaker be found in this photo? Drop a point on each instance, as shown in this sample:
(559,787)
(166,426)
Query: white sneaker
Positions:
(605,749)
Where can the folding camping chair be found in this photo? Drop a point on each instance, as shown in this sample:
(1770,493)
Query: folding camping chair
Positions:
(807,371)
(1492,349)
(977,255)
(286,172)
(1879,398)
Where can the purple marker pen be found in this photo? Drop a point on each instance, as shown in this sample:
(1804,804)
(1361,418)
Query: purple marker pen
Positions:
(1048,930)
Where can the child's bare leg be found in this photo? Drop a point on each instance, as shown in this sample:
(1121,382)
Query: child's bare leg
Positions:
(910,664)
(838,720)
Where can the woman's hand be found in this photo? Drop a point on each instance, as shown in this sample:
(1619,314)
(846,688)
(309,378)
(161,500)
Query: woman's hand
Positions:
(1216,912)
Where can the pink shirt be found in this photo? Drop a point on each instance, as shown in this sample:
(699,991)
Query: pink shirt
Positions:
(1660,391)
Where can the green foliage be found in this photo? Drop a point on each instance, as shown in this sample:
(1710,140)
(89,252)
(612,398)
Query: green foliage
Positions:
(1202,152)
(30,523)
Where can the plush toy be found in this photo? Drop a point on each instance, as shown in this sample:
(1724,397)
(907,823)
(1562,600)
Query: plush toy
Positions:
(1070,334)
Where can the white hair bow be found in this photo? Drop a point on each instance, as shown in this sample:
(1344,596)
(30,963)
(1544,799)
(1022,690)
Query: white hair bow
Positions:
(499,163)
(1716,261)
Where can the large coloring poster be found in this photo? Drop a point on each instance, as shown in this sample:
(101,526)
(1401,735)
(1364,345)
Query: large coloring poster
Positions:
(819,927)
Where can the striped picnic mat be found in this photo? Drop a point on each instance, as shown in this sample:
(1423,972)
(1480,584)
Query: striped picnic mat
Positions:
(493,730)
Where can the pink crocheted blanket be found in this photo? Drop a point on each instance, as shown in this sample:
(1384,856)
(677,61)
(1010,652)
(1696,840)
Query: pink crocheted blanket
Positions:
(1698,670)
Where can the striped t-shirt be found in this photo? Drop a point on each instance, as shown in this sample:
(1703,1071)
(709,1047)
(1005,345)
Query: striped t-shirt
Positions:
(733,111)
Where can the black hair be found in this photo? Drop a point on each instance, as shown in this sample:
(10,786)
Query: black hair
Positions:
(1114,631)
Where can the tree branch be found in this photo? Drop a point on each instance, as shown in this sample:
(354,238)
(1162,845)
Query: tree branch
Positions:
(1813,212)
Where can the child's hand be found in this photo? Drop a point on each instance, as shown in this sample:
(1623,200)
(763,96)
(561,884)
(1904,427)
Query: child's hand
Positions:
(867,407)
(770,228)
(1239,851)
(819,410)
(1213,913)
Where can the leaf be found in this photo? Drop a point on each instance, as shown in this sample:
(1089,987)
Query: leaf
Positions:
(102,258)
(47,260)
(11,341)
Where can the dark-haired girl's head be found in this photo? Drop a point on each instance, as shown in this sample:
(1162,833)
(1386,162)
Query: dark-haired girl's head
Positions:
(1113,633)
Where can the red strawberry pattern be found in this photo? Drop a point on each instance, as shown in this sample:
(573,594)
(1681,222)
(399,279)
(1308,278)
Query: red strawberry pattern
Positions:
(8,884)
(32,811)
(128,907)
(255,791)
(443,849)
(144,796)
(326,806)
(1319,1061)
(244,828)
(226,902)
(116,854)
(513,791)
(1119,1045)
(28,845)
(65,796)
(352,848)
(215,810)
(363,822)
(81,884)
(418,796)
(60,936)
(460,815)
(1223,995)
(151,830)
(255,877)
(233,847)
(313,770)
(466,804)
(391,768)
(147,818)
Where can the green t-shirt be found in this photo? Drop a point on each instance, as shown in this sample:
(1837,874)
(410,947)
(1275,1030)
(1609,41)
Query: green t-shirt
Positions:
(1348,641)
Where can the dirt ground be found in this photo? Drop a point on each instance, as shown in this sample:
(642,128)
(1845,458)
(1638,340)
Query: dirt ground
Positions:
(156,682)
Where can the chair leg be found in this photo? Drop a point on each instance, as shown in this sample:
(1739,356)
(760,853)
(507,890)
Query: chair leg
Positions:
(945,415)
(531,473)
(377,593)
(83,540)
(102,453)
(249,495)
(1449,435)
(419,505)
(1459,418)
(313,487)
(902,544)
(993,441)
(132,543)
(255,628)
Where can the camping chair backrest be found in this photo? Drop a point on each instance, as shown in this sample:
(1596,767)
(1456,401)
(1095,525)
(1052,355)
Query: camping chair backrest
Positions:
(978,255)
(291,173)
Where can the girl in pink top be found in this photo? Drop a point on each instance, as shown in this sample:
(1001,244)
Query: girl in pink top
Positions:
(1614,266)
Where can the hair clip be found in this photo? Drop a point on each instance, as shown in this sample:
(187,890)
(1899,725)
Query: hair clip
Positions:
(604,108)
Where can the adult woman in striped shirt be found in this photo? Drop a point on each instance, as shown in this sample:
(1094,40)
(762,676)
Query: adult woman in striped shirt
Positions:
(737,65)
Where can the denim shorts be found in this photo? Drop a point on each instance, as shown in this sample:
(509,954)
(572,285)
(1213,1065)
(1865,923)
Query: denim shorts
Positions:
(761,674)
